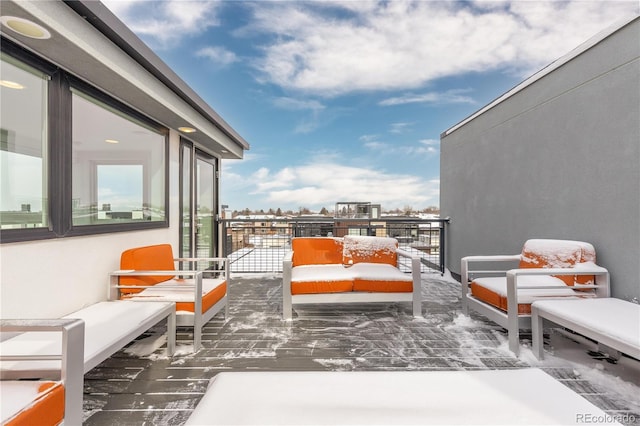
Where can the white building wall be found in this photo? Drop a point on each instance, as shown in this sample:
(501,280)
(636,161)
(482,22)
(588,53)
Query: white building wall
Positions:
(558,159)
(51,278)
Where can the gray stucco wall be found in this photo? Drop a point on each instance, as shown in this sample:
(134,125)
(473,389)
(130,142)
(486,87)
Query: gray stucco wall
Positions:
(558,159)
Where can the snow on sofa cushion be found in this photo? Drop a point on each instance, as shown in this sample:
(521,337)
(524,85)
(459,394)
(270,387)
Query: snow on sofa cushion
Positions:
(31,403)
(166,287)
(380,277)
(493,290)
(540,253)
(359,249)
(374,261)
(213,289)
(310,279)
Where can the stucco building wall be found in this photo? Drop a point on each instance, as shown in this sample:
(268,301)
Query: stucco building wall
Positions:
(557,158)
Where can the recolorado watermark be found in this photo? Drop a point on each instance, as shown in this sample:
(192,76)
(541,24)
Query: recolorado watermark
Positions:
(587,418)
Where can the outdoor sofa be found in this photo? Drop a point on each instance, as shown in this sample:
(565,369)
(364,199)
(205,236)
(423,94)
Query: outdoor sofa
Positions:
(352,269)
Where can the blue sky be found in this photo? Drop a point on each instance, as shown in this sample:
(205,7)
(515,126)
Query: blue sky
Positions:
(346,100)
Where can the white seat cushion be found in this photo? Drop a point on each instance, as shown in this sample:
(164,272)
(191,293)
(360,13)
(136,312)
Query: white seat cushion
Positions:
(378,272)
(17,396)
(498,285)
(616,318)
(176,290)
(321,273)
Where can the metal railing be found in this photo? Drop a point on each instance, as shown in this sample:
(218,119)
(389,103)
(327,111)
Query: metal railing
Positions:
(258,245)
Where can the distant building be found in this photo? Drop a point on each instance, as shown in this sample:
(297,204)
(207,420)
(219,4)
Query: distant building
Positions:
(357,210)
(354,218)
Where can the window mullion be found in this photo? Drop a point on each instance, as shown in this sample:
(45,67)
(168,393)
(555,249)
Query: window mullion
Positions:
(60,154)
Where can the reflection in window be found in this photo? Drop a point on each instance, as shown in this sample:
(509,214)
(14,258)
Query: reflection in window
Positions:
(118,168)
(120,194)
(186,198)
(23,153)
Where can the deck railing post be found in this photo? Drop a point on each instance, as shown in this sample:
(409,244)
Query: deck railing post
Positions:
(443,239)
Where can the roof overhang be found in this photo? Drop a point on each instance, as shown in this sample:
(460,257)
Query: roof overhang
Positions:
(90,42)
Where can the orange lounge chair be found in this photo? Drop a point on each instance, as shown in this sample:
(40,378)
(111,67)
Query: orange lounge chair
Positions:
(144,277)
(546,269)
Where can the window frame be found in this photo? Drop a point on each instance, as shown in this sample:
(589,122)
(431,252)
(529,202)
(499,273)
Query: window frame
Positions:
(59,154)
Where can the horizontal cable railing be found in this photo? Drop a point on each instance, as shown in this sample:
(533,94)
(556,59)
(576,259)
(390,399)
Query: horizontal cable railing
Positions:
(258,245)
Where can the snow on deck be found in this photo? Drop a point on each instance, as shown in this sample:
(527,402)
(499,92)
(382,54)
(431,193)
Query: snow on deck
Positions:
(150,388)
(509,397)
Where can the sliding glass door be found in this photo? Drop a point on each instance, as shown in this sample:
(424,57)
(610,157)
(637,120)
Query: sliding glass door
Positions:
(199,192)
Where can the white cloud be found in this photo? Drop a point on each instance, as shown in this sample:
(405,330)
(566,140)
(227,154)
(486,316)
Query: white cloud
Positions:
(321,184)
(398,45)
(400,127)
(166,22)
(376,145)
(264,181)
(368,138)
(307,124)
(427,147)
(297,104)
(218,55)
(448,97)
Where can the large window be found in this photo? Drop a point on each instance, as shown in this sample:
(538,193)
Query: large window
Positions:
(74,161)
(23,146)
(118,166)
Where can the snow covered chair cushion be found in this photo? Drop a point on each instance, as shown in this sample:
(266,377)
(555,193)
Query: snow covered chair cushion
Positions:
(26,403)
(380,277)
(313,279)
(165,287)
(317,266)
(539,253)
(559,254)
(360,249)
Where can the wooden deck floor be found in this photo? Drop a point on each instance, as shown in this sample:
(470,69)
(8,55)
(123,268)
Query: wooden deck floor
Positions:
(148,388)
